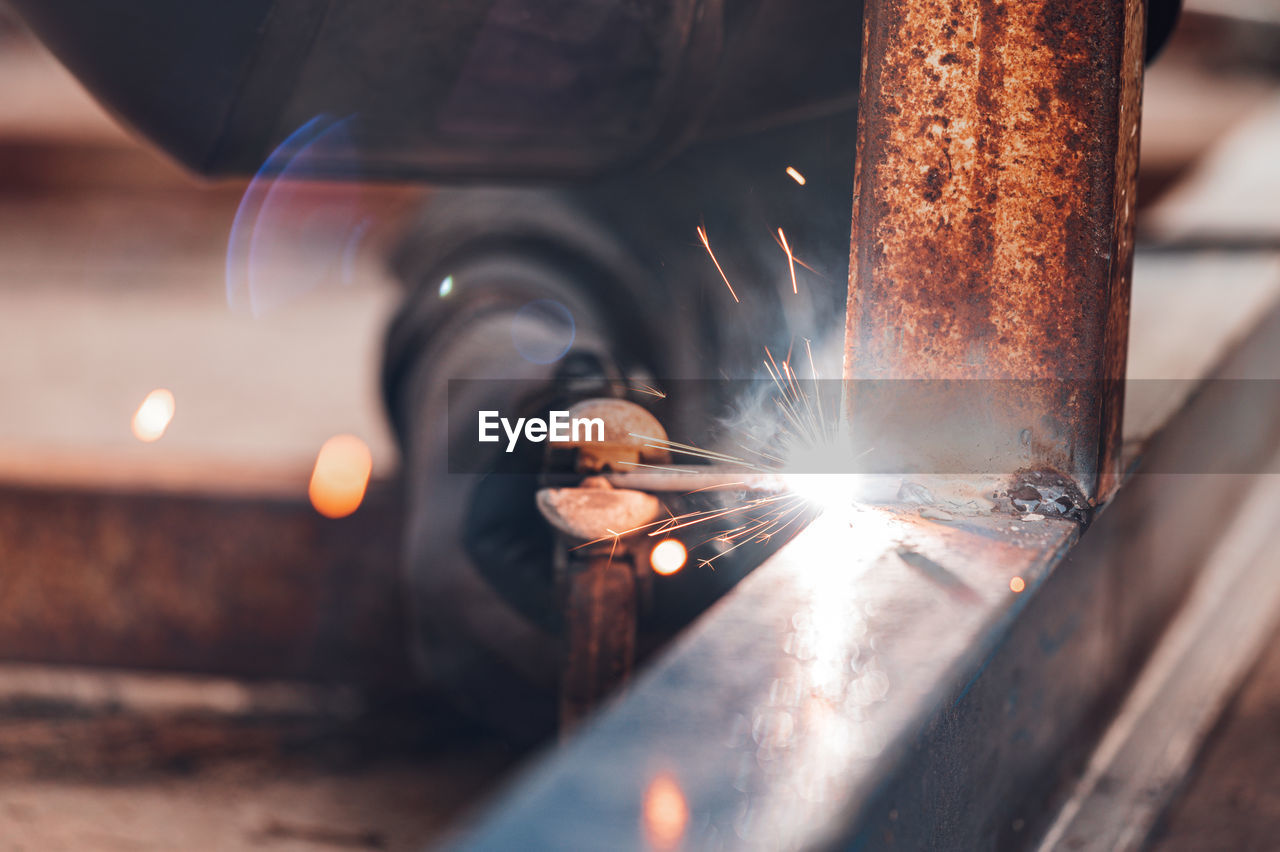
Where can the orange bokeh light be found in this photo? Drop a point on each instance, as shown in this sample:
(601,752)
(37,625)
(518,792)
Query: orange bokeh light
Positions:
(154,415)
(668,556)
(666,813)
(340,476)
(1017,584)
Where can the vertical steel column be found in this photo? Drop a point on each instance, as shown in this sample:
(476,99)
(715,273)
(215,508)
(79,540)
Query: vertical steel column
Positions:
(992,224)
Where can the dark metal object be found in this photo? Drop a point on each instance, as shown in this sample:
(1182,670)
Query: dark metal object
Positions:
(993,228)
(466,88)
(1162,17)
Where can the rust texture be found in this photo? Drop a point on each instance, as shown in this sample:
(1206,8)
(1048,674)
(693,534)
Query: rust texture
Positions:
(245,587)
(992,227)
(600,629)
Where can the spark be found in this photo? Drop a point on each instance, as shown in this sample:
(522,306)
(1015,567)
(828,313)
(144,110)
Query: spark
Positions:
(702,235)
(780,511)
(651,391)
(798,261)
(682,449)
(778,496)
(717,486)
(804,438)
(791,260)
(795,175)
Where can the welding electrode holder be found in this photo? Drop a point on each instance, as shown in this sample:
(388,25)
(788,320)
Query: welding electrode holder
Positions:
(600,559)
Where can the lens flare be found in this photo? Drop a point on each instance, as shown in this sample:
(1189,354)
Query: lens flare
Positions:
(340,476)
(154,415)
(668,556)
(543,331)
(293,234)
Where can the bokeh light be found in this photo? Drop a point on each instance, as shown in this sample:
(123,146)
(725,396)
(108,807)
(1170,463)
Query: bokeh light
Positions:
(293,234)
(668,557)
(154,415)
(340,476)
(543,331)
(666,813)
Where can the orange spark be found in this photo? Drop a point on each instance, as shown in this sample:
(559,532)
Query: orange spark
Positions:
(795,175)
(340,476)
(799,261)
(651,391)
(1017,584)
(666,813)
(791,260)
(154,415)
(702,235)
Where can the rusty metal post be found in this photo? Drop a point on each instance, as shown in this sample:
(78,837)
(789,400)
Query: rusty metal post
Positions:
(993,221)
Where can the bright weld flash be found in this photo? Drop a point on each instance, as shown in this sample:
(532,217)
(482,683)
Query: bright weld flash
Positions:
(340,476)
(668,556)
(795,175)
(834,489)
(823,490)
(154,415)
